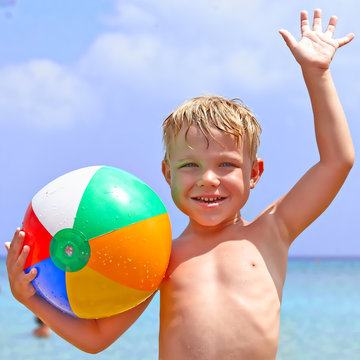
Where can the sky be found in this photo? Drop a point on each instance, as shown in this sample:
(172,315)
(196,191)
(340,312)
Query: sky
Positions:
(90,82)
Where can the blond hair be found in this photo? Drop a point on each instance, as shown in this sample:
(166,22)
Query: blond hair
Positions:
(204,112)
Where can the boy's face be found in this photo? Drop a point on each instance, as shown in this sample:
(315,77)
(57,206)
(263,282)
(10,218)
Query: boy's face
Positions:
(210,184)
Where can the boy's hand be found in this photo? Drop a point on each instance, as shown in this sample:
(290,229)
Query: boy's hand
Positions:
(20,283)
(315,48)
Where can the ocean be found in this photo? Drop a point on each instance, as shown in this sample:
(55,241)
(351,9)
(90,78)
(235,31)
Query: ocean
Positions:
(320,319)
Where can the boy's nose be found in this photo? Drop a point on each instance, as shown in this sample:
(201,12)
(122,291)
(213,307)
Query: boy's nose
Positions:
(208,178)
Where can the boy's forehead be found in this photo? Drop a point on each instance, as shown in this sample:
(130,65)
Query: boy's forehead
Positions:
(193,139)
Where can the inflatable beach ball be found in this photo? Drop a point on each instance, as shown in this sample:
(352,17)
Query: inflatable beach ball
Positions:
(100,239)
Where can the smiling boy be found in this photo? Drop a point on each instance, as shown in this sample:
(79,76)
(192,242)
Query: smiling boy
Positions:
(221,296)
(224,280)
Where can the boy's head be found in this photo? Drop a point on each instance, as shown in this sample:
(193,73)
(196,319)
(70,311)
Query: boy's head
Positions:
(206,112)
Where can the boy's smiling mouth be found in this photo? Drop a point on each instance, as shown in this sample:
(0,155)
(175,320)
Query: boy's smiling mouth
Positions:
(209,200)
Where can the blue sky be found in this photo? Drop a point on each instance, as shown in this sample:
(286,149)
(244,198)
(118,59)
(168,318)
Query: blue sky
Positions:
(90,82)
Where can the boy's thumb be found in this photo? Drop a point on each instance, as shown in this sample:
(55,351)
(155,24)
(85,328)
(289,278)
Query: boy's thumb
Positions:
(32,274)
(289,39)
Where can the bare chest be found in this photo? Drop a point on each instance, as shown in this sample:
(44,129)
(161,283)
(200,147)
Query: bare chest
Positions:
(221,300)
(234,266)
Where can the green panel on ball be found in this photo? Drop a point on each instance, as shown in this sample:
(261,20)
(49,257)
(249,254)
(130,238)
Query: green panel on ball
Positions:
(114,199)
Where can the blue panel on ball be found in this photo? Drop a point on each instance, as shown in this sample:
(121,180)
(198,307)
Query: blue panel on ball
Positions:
(50,284)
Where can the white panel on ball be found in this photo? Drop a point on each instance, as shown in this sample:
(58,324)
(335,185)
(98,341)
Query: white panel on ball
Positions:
(56,204)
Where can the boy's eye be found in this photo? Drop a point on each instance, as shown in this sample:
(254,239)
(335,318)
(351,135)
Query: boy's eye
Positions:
(227,164)
(188,165)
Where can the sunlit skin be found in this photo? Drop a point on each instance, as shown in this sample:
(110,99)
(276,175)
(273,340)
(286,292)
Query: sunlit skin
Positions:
(222,292)
(210,182)
(221,273)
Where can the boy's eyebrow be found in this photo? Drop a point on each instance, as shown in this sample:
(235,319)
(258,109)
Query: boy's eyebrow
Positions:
(229,155)
(184,160)
(220,157)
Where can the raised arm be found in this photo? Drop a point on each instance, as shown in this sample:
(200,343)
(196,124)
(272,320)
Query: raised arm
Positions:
(313,193)
(91,336)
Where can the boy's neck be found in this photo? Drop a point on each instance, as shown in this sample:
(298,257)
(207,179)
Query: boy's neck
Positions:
(195,228)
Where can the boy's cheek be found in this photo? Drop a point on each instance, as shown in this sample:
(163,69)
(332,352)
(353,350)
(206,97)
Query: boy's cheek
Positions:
(175,193)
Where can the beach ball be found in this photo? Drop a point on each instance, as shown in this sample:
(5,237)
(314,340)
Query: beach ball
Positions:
(100,239)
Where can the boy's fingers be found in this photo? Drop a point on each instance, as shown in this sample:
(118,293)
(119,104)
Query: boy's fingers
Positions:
(17,231)
(22,258)
(289,38)
(317,26)
(7,245)
(17,242)
(304,22)
(331,27)
(345,40)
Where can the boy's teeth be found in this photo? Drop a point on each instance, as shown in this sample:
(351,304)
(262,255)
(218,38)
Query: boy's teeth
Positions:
(208,199)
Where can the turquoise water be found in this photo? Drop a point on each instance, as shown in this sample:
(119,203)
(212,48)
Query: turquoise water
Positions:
(320,319)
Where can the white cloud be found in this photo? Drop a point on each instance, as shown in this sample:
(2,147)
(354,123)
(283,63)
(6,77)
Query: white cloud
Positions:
(153,62)
(162,48)
(218,17)
(113,55)
(197,46)
(251,68)
(44,94)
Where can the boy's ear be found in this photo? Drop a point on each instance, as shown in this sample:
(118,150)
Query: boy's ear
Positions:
(166,171)
(256,172)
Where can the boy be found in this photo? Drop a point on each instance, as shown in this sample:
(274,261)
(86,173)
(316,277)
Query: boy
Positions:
(221,296)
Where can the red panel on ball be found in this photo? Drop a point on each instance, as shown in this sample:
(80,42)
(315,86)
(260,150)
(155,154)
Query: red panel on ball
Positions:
(37,237)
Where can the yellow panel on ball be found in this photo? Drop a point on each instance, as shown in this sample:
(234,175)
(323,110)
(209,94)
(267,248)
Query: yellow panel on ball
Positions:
(92,295)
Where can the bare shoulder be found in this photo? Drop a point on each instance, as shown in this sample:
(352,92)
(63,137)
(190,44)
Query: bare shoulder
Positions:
(179,253)
(266,224)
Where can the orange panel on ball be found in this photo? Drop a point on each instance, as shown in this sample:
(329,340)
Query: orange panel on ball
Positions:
(136,255)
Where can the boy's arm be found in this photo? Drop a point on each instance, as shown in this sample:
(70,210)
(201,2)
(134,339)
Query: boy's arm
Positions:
(314,192)
(88,335)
